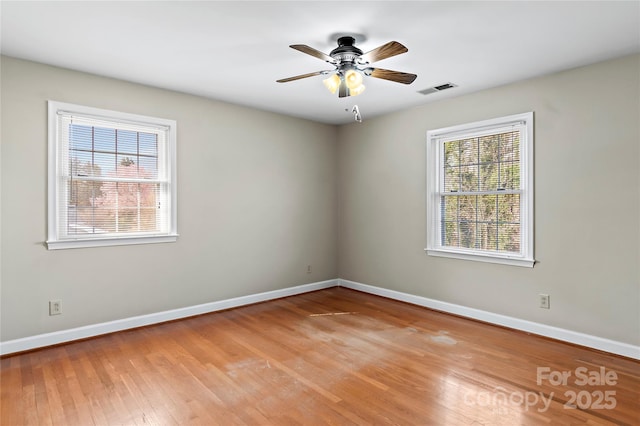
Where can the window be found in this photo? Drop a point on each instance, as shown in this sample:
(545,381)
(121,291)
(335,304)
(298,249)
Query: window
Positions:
(112,178)
(480,191)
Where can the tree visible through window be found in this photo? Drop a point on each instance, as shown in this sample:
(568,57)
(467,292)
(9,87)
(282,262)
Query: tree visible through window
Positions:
(482,166)
(480,190)
(118,203)
(113,177)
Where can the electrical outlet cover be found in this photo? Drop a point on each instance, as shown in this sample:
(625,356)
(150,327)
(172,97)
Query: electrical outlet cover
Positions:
(55,307)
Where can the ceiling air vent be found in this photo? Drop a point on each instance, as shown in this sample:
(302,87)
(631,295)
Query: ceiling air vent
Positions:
(438,88)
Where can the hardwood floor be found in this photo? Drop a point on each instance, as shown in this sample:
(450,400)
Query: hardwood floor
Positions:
(334,356)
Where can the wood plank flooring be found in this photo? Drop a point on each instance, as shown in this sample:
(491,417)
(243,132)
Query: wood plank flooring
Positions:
(334,356)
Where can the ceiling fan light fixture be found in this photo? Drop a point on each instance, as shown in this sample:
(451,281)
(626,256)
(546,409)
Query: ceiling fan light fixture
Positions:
(332,83)
(357,90)
(353,79)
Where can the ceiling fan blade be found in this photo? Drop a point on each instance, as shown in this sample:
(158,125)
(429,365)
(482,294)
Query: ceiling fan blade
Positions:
(385,51)
(313,52)
(397,76)
(298,77)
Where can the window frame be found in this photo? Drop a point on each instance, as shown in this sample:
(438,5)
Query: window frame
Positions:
(435,140)
(57,239)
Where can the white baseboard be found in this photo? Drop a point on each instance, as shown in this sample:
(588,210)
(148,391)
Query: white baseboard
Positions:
(62,336)
(577,338)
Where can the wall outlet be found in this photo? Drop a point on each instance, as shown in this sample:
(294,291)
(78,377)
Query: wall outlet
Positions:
(308,269)
(55,307)
(544,301)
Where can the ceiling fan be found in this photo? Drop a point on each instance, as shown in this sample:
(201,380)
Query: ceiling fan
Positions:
(351,65)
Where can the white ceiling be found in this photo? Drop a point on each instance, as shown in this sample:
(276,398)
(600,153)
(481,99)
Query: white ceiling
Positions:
(236,50)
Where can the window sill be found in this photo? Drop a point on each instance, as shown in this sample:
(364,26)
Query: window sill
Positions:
(513,261)
(105,242)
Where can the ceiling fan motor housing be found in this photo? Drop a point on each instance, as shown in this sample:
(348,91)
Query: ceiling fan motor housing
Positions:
(346,51)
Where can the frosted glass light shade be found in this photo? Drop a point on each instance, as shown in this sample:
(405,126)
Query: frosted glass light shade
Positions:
(357,90)
(332,83)
(353,79)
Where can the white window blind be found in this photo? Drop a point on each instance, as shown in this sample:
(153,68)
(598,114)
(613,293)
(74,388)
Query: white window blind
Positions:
(111,178)
(480,191)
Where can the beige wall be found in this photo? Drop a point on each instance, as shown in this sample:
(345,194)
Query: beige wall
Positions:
(262,195)
(587,203)
(257,203)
